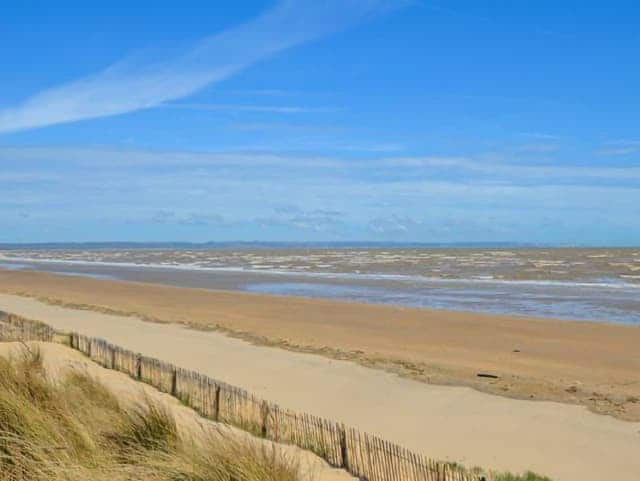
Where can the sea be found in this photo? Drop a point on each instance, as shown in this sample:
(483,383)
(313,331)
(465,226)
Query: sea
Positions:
(590,284)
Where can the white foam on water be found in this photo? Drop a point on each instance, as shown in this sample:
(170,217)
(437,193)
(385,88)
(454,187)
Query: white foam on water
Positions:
(302,271)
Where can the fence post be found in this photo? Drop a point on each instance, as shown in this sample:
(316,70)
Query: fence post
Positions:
(265,417)
(174,383)
(89,348)
(139,367)
(217,414)
(343,447)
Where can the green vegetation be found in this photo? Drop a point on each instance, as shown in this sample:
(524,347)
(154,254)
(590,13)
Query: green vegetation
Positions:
(75,429)
(527,476)
(481,473)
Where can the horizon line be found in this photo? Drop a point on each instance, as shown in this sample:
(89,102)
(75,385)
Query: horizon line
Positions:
(302,244)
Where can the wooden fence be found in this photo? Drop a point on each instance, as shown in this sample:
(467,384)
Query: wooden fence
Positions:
(16,328)
(363,455)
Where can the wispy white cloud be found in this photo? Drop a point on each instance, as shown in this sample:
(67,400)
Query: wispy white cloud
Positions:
(121,158)
(188,217)
(620,148)
(538,148)
(28,177)
(138,83)
(266,92)
(431,162)
(288,126)
(278,109)
(540,135)
(515,172)
(371,169)
(394,224)
(316,220)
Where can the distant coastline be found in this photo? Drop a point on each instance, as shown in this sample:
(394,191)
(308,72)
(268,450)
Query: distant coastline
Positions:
(300,245)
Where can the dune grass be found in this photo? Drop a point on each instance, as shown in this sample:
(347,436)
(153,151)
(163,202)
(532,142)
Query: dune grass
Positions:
(75,429)
(491,475)
(526,476)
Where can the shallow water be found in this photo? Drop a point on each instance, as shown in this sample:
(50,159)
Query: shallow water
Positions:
(589,284)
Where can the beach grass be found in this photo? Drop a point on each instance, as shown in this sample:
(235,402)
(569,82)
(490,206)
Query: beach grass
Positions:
(526,476)
(493,475)
(74,429)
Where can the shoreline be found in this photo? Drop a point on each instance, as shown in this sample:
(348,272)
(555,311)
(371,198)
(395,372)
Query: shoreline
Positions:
(601,301)
(575,362)
(31,264)
(257,293)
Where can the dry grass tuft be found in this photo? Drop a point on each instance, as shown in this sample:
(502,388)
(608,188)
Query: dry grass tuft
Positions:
(149,427)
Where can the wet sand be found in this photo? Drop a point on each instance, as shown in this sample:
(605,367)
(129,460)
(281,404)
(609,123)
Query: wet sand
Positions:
(566,442)
(597,285)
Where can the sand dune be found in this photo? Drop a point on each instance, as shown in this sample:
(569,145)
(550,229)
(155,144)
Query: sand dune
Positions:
(59,359)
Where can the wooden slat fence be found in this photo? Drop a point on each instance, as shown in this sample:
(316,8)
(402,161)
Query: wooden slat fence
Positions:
(363,455)
(16,328)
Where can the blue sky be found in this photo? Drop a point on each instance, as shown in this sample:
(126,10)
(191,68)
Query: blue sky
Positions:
(306,120)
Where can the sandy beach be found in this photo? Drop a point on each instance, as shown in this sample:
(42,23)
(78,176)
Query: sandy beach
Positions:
(565,441)
(593,364)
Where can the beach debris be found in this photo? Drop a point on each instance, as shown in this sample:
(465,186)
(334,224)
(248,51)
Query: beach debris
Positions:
(516,350)
(484,374)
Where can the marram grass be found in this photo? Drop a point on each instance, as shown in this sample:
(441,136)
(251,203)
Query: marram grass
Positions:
(526,476)
(75,429)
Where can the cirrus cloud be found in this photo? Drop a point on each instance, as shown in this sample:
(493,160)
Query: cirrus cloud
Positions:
(138,82)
